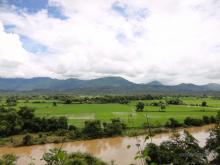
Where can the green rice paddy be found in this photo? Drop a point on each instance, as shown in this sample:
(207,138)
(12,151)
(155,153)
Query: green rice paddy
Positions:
(77,114)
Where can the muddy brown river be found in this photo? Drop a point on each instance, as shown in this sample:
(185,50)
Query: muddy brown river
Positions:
(108,149)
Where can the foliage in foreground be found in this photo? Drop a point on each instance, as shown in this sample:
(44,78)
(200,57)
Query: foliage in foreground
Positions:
(8,159)
(184,149)
(59,157)
(181,149)
(213,143)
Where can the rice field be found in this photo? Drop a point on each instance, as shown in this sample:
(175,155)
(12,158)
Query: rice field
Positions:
(77,114)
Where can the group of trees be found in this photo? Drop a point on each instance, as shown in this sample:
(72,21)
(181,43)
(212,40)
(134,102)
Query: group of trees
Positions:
(24,120)
(174,101)
(95,129)
(11,101)
(140,106)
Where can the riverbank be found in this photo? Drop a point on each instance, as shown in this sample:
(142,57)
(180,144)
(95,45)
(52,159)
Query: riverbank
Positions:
(107,149)
(50,137)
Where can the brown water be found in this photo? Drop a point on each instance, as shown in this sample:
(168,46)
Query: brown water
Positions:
(107,149)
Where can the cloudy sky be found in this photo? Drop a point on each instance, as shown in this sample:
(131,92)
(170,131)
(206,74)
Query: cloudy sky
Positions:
(173,41)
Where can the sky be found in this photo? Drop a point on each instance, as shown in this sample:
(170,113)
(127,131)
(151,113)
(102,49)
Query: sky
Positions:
(172,41)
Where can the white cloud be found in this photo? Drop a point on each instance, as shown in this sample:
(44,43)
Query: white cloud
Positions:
(175,41)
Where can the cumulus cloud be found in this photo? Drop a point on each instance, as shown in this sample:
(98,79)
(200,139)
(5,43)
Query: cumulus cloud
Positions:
(172,40)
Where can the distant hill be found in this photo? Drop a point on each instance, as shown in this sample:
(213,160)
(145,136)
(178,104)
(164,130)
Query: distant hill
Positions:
(105,85)
(154,83)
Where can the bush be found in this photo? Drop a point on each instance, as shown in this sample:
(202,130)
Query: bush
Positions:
(11,101)
(59,157)
(212,119)
(173,123)
(8,159)
(206,119)
(174,101)
(116,127)
(92,129)
(193,122)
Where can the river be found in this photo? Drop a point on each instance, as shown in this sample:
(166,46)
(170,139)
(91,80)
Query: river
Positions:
(107,149)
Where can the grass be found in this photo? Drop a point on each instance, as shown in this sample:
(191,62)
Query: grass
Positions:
(78,113)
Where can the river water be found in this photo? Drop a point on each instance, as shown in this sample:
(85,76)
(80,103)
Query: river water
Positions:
(108,149)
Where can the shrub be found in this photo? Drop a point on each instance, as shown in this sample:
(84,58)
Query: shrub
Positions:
(206,119)
(173,123)
(92,129)
(193,122)
(8,159)
(174,101)
(116,127)
(59,157)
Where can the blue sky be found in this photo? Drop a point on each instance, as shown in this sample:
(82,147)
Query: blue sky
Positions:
(33,6)
(138,40)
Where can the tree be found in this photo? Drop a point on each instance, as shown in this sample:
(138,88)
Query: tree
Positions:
(116,127)
(68,101)
(26,112)
(93,129)
(173,123)
(193,122)
(11,101)
(204,104)
(162,106)
(140,107)
(54,104)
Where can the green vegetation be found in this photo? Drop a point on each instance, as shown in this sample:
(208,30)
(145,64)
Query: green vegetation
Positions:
(184,149)
(80,109)
(8,159)
(58,118)
(57,156)
(181,149)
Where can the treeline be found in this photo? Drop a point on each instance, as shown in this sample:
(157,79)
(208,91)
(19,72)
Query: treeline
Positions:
(68,99)
(104,99)
(13,122)
(189,121)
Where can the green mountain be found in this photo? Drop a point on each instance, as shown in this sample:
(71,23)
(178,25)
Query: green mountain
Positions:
(105,85)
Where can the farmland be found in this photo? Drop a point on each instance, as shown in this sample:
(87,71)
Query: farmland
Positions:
(77,113)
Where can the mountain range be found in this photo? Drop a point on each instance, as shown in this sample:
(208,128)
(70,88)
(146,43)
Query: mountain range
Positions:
(105,85)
